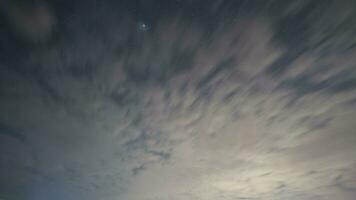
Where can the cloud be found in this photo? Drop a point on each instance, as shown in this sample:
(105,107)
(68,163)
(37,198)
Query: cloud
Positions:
(34,21)
(8,131)
(247,110)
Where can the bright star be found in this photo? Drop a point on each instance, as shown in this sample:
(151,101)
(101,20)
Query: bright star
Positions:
(143,26)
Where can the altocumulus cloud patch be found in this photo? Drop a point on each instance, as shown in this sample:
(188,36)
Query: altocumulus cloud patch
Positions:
(178,100)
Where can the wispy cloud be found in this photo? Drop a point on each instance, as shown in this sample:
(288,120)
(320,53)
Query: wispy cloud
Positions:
(242,100)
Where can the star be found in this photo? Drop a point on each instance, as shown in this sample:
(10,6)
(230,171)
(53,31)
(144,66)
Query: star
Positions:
(143,26)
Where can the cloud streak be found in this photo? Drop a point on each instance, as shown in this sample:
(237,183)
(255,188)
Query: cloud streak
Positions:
(220,100)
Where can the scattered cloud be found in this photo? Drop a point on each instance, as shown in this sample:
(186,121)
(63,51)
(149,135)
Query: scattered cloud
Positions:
(257,107)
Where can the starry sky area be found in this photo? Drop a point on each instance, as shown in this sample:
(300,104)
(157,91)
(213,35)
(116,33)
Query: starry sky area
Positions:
(177,100)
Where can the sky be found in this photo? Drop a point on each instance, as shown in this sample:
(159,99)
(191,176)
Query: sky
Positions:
(177,99)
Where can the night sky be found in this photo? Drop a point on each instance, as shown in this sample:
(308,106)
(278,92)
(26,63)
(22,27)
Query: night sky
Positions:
(177,100)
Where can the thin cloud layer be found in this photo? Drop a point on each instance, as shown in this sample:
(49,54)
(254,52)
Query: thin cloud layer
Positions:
(215,100)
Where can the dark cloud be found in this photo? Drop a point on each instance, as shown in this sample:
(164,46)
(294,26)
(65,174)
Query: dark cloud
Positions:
(12,132)
(137,170)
